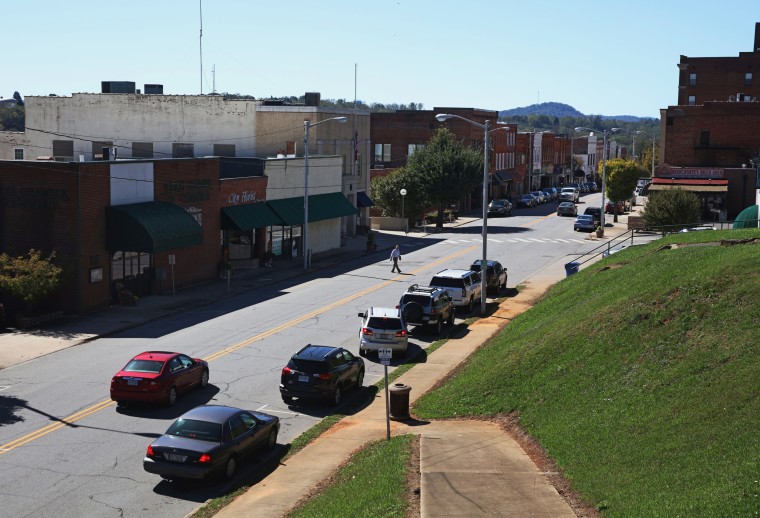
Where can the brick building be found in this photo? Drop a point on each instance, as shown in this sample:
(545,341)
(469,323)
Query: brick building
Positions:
(710,141)
(136,225)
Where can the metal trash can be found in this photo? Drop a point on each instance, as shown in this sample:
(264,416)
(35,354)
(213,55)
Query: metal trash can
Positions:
(571,268)
(399,401)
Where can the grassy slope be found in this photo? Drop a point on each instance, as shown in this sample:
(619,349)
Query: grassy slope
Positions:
(640,380)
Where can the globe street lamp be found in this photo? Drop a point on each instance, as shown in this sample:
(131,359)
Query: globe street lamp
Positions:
(441,117)
(306,126)
(403,195)
(604,175)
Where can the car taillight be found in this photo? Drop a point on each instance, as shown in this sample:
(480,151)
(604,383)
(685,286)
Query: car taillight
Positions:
(401,334)
(324,376)
(204,459)
(286,370)
(154,385)
(435,310)
(366,331)
(149,452)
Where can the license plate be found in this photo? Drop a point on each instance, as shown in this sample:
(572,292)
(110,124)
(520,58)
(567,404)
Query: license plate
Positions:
(132,383)
(303,379)
(173,457)
(383,336)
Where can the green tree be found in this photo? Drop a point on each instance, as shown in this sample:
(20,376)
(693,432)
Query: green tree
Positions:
(447,168)
(672,207)
(621,180)
(30,279)
(386,193)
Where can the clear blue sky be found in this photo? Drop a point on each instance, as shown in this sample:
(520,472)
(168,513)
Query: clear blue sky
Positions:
(601,57)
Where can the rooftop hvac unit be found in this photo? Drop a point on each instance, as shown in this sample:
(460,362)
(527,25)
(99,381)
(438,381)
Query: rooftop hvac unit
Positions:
(117,87)
(154,89)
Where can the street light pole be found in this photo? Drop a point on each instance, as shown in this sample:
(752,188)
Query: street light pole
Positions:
(604,174)
(306,126)
(441,117)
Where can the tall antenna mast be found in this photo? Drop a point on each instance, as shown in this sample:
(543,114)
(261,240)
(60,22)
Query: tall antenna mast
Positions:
(213,79)
(200,42)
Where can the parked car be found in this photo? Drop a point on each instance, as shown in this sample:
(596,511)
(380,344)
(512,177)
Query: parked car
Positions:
(569,194)
(464,286)
(321,372)
(527,200)
(583,187)
(622,207)
(383,328)
(499,208)
(540,196)
(158,377)
(591,187)
(567,208)
(427,305)
(496,275)
(210,440)
(550,193)
(584,222)
(596,212)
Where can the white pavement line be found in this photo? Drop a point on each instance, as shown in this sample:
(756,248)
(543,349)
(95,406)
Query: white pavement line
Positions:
(522,240)
(512,241)
(579,240)
(3,387)
(494,240)
(563,240)
(261,409)
(536,239)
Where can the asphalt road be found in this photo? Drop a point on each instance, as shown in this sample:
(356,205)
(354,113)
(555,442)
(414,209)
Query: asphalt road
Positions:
(94,467)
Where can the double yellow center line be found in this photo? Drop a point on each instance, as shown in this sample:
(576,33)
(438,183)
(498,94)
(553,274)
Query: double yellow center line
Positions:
(97,407)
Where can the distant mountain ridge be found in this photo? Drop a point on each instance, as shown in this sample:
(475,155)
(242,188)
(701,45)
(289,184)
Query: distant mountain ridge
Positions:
(558,110)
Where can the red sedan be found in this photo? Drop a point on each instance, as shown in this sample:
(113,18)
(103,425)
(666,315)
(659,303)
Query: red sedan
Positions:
(158,377)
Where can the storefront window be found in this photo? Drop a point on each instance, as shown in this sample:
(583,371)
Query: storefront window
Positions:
(242,244)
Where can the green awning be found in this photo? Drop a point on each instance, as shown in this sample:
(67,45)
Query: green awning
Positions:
(150,227)
(747,218)
(248,217)
(321,207)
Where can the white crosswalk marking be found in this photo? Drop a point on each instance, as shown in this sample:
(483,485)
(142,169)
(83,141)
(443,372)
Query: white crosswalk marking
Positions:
(563,240)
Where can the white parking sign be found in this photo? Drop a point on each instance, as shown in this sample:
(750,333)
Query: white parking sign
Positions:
(385,354)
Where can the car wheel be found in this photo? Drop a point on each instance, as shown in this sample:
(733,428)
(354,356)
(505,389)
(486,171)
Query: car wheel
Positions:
(362,352)
(204,378)
(121,404)
(230,468)
(471,305)
(451,318)
(439,326)
(272,439)
(287,399)
(360,380)
(336,396)
(171,397)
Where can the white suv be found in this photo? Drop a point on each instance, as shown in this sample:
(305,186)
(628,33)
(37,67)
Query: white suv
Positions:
(463,286)
(383,328)
(569,194)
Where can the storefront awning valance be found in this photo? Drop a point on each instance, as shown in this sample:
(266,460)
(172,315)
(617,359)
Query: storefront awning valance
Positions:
(689,184)
(249,216)
(321,207)
(151,227)
(362,200)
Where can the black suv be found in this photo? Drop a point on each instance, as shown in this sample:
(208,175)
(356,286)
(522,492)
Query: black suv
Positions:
(427,305)
(321,372)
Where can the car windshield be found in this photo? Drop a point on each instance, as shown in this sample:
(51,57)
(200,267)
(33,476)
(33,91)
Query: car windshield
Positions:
(308,366)
(194,429)
(446,282)
(384,323)
(584,217)
(150,366)
(496,204)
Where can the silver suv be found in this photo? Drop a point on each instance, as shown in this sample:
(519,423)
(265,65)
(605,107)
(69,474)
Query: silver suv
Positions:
(427,305)
(383,328)
(463,286)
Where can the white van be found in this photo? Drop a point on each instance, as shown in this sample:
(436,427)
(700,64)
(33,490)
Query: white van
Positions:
(569,194)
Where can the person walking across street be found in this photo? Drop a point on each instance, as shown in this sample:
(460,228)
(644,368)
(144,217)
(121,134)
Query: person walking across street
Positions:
(395,258)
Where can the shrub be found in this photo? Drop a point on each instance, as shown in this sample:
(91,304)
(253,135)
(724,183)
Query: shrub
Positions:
(672,207)
(31,279)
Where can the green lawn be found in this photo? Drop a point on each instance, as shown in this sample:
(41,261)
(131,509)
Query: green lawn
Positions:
(372,484)
(640,376)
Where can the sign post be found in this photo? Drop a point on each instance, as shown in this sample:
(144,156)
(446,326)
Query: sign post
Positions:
(385,356)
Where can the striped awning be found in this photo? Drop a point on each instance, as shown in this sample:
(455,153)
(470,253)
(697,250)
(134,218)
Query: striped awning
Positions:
(689,184)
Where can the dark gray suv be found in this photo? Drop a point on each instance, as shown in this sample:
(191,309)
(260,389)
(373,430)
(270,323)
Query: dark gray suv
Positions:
(427,305)
(321,372)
